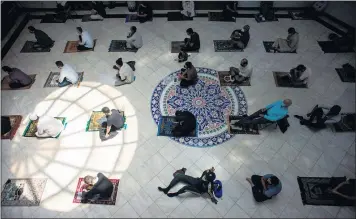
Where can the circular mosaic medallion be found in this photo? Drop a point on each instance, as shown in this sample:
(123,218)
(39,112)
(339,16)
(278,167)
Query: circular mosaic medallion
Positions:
(210,103)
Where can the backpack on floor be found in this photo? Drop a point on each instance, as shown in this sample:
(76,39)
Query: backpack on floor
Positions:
(218,192)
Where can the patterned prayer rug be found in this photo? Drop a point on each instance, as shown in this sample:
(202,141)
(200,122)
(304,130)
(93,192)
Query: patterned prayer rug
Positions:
(330,47)
(282,81)
(71,47)
(53,77)
(97,118)
(218,16)
(344,77)
(133,18)
(166,125)
(268,47)
(210,103)
(23,192)
(28,48)
(225,46)
(52,18)
(110,201)
(316,191)
(346,123)
(15,121)
(223,82)
(120,46)
(177,16)
(31,128)
(5,83)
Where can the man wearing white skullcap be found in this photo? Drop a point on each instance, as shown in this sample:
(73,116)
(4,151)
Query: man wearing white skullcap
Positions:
(47,126)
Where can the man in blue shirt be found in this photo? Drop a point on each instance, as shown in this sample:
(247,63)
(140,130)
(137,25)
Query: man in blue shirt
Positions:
(264,187)
(272,113)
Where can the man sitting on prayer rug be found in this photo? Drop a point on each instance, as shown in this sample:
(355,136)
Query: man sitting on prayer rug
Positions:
(96,188)
(192,43)
(241,74)
(204,184)
(115,121)
(47,126)
(287,45)
(271,113)
(144,12)
(86,42)
(134,39)
(240,38)
(264,187)
(186,124)
(67,74)
(125,73)
(17,77)
(43,40)
(188,75)
(299,76)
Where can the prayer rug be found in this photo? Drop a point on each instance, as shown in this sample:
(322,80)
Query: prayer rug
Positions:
(268,47)
(225,46)
(346,124)
(5,83)
(345,77)
(54,76)
(52,18)
(15,121)
(97,118)
(218,16)
(177,16)
(133,18)
(166,125)
(23,192)
(223,82)
(31,128)
(176,47)
(297,15)
(86,18)
(329,47)
(28,48)
(232,129)
(110,201)
(259,20)
(282,81)
(120,46)
(71,47)
(317,191)
(209,102)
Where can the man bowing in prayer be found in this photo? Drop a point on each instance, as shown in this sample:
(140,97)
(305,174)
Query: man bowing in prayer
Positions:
(47,126)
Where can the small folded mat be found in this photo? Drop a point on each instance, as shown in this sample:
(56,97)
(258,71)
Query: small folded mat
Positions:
(15,121)
(344,77)
(166,125)
(268,47)
(218,16)
(5,83)
(177,16)
(258,19)
(232,129)
(298,15)
(225,46)
(120,46)
(86,18)
(281,80)
(23,192)
(31,128)
(53,77)
(133,18)
(223,74)
(28,48)
(176,47)
(109,201)
(97,118)
(346,124)
(71,47)
(330,47)
(316,191)
(51,18)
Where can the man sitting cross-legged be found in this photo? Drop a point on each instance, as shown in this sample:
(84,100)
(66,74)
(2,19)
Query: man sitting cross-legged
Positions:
(96,188)
(186,124)
(67,74)
(204,184)
(264,187)
(241,74)
(192,43)
(115,121)
(188,75)
(240,38)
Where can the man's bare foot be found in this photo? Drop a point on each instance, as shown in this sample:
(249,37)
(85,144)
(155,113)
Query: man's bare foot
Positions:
(249,181)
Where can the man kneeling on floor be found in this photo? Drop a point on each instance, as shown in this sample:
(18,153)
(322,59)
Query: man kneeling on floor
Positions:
(47,126)
(17,77)
(186,124)
(241,74)
(188,75)
(264,187)
(204,184)
(67,75)
(100,188)
(299,76)
(125,73)
(115,121)
(43,40)
(271,113)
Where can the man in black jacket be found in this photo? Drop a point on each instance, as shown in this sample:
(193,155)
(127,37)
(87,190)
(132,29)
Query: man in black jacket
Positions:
(102,188)
(240,38)
(43,40)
